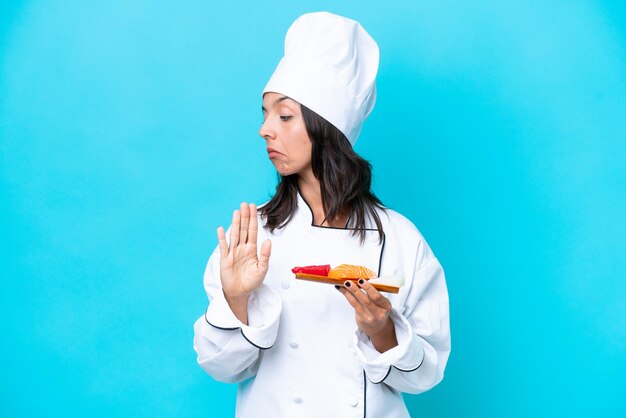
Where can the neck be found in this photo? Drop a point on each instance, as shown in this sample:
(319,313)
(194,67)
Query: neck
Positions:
(311,191)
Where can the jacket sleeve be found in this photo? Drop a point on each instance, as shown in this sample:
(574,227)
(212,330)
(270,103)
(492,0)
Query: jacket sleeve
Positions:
(227,349)
(422,327)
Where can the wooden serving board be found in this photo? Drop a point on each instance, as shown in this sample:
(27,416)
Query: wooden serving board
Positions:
(330,280)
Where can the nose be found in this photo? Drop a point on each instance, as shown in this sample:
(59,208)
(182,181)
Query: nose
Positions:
(266,132)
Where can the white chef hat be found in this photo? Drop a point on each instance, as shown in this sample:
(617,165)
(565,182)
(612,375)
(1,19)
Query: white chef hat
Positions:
(330,66)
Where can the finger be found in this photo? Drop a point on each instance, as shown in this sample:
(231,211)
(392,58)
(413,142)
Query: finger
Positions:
(221,240)
(352,300)
(234,229)
(359,294)
(264,256)
(254,224)
(245,220)
(374,295)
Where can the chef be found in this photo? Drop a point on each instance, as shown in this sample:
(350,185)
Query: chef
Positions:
(303,349)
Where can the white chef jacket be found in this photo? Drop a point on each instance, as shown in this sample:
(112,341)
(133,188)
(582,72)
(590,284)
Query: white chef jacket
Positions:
(301,354)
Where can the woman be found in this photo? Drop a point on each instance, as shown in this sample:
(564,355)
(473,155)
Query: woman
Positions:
(302,349)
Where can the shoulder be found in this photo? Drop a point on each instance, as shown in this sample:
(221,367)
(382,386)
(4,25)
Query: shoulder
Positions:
(260,206)
(398,223)
(261,219)
(404,237)
(264,229)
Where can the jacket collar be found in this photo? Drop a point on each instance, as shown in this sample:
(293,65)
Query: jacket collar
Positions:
(307,213)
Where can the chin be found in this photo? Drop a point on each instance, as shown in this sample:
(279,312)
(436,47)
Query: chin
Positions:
(283,171)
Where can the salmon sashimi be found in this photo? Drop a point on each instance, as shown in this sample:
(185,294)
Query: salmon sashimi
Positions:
(349,271)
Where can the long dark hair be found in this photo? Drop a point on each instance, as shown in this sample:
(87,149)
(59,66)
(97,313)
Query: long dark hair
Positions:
(345,181)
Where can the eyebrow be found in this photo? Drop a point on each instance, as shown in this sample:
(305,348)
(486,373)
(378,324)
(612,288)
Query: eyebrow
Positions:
(280,99)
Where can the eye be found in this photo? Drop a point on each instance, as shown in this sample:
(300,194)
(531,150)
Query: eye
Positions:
(285,118)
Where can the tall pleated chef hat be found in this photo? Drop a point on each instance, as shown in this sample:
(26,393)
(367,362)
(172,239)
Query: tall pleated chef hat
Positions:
(330,66)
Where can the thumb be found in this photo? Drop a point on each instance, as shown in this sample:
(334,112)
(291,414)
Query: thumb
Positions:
(264,256)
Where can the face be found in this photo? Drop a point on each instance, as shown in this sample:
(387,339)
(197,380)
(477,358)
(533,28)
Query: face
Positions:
(288,143)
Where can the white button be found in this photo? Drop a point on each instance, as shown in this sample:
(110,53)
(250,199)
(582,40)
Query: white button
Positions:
(354,402)
(284,284)
(297,399)
(293,344)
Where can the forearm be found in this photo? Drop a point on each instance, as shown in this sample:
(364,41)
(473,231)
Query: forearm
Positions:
(239,305)
(386,338)
(224,354)
(227,348)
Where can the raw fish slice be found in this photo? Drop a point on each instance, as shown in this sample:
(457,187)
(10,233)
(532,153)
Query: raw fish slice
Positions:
(317,270)
(345,271)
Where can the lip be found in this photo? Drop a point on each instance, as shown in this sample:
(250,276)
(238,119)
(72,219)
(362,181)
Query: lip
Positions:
(272,152)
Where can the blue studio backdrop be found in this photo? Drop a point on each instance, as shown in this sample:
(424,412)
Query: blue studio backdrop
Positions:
(128,133)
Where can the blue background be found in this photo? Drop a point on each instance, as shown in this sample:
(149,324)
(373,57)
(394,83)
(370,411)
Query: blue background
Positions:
(128,133)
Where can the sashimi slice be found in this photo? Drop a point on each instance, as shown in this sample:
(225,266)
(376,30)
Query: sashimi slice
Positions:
(321,270)
(351,271)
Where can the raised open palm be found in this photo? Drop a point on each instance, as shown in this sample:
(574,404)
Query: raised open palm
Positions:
(242,268)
